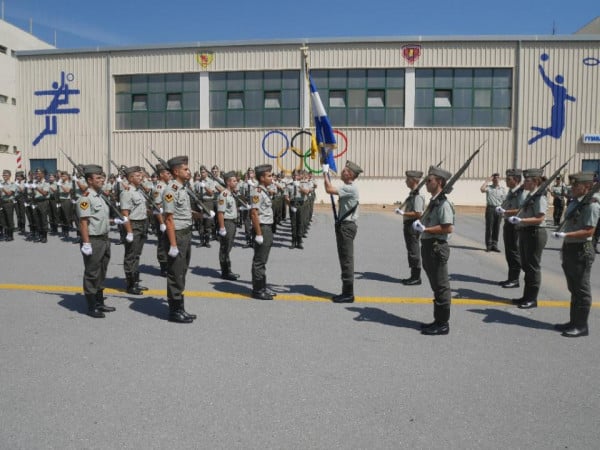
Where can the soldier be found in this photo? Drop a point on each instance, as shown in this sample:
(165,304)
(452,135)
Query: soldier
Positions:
(40,207)
(578,254)
(532,237)
(164,176)
(20,200)
(95,245)
(494,196)
(206,189)
(558,192)
(245,191)
(53,202)
(516,195)
(66,207)
(261,215)
(8,190)
(133,206)
(438,224)
(178,219)
(345,225)
(414,207)
(295,194)
(226,218)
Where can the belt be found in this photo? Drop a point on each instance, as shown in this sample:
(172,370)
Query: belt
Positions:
(184,231)
(229,220)
(576,244)
(40,200)
(7,201)
(140,221)
(103,237)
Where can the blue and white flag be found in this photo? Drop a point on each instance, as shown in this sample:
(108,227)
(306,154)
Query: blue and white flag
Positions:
(323,129)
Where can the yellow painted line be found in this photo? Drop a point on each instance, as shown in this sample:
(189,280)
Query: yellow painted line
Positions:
(288,297)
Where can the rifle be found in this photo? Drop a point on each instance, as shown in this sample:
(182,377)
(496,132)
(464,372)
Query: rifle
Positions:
(448,186)
(152,166)
(546,165)
(235,194)
(190,192)
(419,186)
(587,198)
(101,194)
(148,199)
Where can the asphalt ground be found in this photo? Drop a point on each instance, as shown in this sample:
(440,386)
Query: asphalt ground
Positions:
(299,372)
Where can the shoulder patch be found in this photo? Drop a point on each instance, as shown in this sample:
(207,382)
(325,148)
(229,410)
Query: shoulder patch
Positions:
(156,193)
(84,205)
(221,202)
(255,199)
(174,187)
(169,197)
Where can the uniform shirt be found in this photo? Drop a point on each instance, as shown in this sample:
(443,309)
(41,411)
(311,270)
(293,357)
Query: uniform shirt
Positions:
(208,184)
(44,186)
(133,201)
(348,199)
(494,195)
(586,217)
(538,206)
(558,191)
(62,193)
(414,203)
(226,205)
(9,186)
(176,201)
(442,213)
(261,201)
(272,189)
(96,210)
(292,191)
(157,192)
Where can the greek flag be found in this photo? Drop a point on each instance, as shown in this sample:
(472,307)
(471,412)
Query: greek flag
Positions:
(324,131)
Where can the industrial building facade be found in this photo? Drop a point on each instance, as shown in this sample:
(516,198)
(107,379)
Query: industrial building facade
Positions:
(397,104)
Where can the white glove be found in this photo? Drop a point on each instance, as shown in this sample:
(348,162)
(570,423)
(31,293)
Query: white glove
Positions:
(211,214)
(559,234)
(162,227)
(60,183)
(34,185)
(173,252)
(119,179)
(514,220)
(121,221)
(293,209)
(86,249)
(500,210)
(296,183)
(74,202)
(202,184)
(259,239)
(325,168)
(59,205)
(400,211)
(222,232)
(418,226)
(129,237)
(157,212)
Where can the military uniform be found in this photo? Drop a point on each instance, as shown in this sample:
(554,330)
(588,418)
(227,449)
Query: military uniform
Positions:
(414,203)
(8,190)
(558,192)
(92,209)
(227,206)
(40,207)
(263,205)
(514,198)
(494,196)
(157,198)
(53,206)
(295,199)
(176,202)
(577,256)
(205,188)
(66,207)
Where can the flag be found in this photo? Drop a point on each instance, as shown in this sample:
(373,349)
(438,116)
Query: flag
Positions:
(323,130)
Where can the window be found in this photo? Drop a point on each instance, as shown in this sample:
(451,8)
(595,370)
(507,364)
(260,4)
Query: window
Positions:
(255,99)
(3,99)
(3,49)
(14,101)
(4,148)
(362,97)
(466,97)
(157,101)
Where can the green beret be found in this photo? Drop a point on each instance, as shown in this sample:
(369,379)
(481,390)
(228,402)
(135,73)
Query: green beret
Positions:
(133,169)
(582,177)
(533,173)
(439,172)
(354,168)
(20,173)
(92,169)
(514,172)
(177,161)
(160,168)
(229,175)
(40,170)
(413,173)
(261,170)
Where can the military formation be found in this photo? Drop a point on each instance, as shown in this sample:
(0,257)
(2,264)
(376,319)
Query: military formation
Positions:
(173,204)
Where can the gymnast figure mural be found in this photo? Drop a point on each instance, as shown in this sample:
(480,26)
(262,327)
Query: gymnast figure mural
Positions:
(558,113)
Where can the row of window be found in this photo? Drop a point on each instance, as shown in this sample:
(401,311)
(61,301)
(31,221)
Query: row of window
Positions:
(356,97)
(4,99)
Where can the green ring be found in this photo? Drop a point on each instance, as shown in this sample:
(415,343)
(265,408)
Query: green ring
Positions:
(311,170)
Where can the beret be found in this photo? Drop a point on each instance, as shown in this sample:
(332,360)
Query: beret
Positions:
(514,172)
(132,169)
(229,175)
(582,177)
(414,173)
(439,172)
(533,173)
(92,169)
(354,167)
(262,169)
(177,161)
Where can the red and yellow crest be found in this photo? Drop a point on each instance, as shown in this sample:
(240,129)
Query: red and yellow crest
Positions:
(411,52)
(255,199)
(84,205)
(169,197)
(205,59)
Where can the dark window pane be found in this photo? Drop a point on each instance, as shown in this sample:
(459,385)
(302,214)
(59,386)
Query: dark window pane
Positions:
(501,117)
(394,117)
(376,78)
(482,117)
(423,117)
(218,100)
(502,98)
(462,98)
(337,79)
(482,78)
(290,118)
(482,98)
(424,98)
(123,121)
(138,84)
(395,98)
(376,117)
(290,99)
(254,80)
(502,78)
(442,117)
(156,120)
(357,116)
(157,102)
(174,120)
(254,99)
(217,81)
(424,78)
(173,82)
(356,98)
(337,117)
(191,82)
(357,78)
(218,119)
(290,79)
(320,78)
(235,119)
(235,81)
(443,78)
(122,84)
(462,117)
(254,118)
(191,119)
(272,118)
(191,100)
(395,78)
(139,121)
(123,102)
(463,78)
(156,83)
(272,80)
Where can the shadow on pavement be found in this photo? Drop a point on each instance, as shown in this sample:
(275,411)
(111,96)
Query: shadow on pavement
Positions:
(476,295)
(151,306)
(369,314)
(467,247)
(307,289)
(73,302)
(505,317)
(471,279)
(149,270)
(375,276)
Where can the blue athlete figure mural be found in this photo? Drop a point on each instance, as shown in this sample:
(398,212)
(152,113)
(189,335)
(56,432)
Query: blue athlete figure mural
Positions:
(560,96)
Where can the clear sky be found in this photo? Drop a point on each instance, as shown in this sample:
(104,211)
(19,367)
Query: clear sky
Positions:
(92,23)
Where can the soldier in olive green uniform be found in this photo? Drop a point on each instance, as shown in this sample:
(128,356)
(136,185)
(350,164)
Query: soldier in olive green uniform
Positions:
(261,215)
(8,191)
(53,202)
(157,195)
(558,193)
(66,207)
(295,194)
(515,196)
(345,226)
(494,196)
(206,189)
(414,206)
(178,219)
(227,215)
(133,206)
(40,206)
(578,254)
(20,200)
(437,225)
(532,237)
(94,226)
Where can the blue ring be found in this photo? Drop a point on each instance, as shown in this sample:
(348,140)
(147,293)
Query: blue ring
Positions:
(287,143)
(590,61)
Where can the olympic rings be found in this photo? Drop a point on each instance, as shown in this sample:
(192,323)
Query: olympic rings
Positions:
(300,133)
(310,169)
(590,61)
(287,143)
(282,152)
(345,139)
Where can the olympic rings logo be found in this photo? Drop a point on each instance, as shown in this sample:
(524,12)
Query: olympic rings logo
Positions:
(279,144)
(590,61)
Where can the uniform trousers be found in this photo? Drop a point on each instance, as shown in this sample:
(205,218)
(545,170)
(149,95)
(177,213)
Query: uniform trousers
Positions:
(96,264)
(511,250)
(492,226)
(226,242)
(177,267)
(532,241)
(411,239)
(261,253)
(559,206)
(7,215)
(345,232)
(435,254)
(133,249)
(40,215)
(577,260)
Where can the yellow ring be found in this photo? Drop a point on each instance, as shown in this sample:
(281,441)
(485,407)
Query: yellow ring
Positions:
(279,165)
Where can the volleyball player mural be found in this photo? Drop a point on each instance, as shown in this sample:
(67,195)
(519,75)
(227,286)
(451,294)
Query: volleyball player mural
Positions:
(558,112)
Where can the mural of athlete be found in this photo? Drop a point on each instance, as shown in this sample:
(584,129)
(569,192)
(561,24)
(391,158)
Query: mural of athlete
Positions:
(560,96)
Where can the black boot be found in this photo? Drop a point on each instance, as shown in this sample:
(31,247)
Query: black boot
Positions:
(347,295)
(299,244)
(43,237)
(9,236)
(176,313)
(93,310)
(206,240)
(267,289)
(163,269)
(440,326)
(293,245)
(258,291)
(415,277)
(185,313)
(248,243)
(226,273)
(65,232)
(579,321)
(100,302)
(136,277)
(131,288)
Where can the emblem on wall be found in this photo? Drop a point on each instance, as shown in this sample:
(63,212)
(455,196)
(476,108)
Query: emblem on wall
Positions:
(205,59)
(61,94)
(411,52)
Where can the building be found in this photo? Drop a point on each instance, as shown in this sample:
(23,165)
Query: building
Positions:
(398,103)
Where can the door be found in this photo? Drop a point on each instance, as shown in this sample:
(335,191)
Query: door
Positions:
(48,164)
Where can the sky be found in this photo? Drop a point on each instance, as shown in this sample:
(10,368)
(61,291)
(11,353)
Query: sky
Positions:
(110,23)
